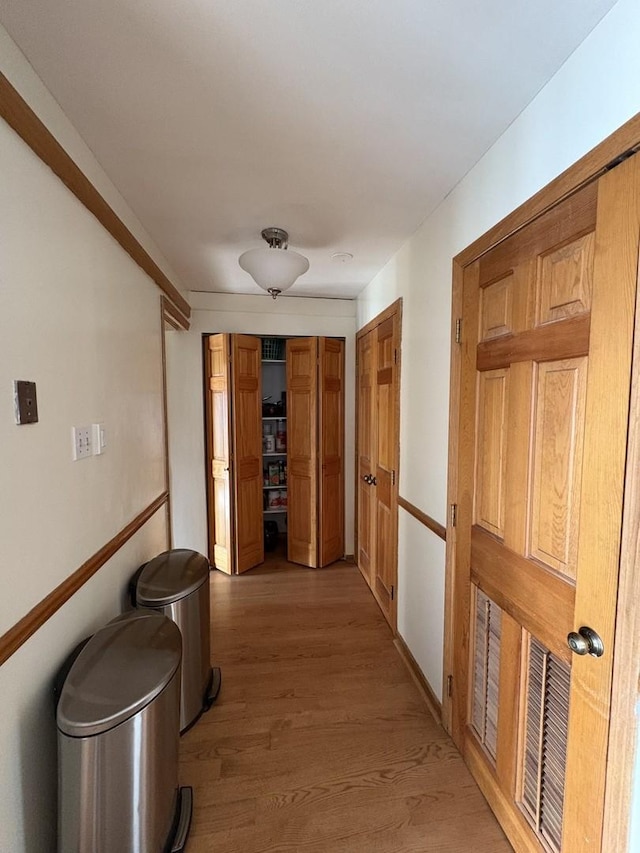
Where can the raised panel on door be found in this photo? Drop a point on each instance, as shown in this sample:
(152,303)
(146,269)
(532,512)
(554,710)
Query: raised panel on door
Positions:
(302,442)
(385,486)
(330,450)
(543,418)
(366,453)
(221,552)
(247,443)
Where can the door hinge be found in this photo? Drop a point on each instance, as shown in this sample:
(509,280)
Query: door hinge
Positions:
(459,330)
(393,478)
(449,686)
(393,592)
(395,356)
(453,514)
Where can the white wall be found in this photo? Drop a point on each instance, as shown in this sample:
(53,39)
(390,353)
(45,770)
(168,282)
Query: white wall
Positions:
(79,318)
(254,315)
(593,94)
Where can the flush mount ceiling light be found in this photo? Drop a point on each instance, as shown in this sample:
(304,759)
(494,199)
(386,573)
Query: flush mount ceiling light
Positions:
(274,269)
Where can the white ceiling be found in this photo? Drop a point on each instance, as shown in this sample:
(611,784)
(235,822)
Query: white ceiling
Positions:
(344,121)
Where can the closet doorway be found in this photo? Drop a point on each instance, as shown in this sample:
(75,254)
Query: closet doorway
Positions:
(274,423)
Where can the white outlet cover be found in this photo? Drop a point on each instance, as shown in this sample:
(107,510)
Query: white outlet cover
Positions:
(81,442)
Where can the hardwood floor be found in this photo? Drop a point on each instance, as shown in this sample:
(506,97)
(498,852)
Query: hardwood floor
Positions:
(319,741)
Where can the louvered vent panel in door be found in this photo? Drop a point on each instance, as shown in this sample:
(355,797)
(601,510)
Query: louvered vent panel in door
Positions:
(486,671)
(545,743)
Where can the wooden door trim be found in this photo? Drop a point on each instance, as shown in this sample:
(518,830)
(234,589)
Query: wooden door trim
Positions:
(433,525)
(173,316)
(23,120)
(609,153)
(622,142)
(389,311)
(626,663)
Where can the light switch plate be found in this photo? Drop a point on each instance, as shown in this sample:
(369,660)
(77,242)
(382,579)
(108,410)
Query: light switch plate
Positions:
(26,402)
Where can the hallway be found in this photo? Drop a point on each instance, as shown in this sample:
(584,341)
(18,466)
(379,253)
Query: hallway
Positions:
(320,742)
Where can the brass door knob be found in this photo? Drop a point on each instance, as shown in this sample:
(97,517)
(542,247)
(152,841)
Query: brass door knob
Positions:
(585,642)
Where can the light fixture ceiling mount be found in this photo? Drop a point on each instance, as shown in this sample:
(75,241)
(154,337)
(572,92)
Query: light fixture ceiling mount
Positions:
(274,269)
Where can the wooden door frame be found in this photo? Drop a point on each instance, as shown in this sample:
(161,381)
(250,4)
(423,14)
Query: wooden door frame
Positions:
(393,310)
(207,418)
(620,758)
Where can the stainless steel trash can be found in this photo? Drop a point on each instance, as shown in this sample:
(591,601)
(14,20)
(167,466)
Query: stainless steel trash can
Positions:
(176,583)
(117,719)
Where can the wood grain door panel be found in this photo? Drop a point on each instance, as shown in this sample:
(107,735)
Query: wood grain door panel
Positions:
(385,488)
(331,450)
(247,443)
(545,383)
(221,509)
(366,453)
(377,457)
(302,458)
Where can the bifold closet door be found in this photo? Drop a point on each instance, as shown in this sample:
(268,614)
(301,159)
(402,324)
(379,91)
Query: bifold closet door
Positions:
(315,450)
(330,450)
(246,372)
(302,443)
(234,448)
(219,487)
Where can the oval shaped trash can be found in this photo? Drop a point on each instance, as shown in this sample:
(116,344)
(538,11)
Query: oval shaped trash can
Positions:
(176,583)
(118,741)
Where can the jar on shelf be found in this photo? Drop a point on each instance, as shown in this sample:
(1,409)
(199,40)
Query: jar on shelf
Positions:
(274,499)
(274,474)
(281,438)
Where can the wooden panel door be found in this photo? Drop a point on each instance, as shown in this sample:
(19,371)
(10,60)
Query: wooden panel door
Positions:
(545,381)
(367,407)
(247,451)
(302,453)
(219,490)
(384,483)
(330,450)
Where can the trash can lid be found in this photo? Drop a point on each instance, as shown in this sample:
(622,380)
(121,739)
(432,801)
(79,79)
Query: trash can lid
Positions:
(171,576)
(123,667)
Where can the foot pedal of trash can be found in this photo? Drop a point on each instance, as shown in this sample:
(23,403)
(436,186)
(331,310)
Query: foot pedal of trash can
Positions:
(185,808)
(213,688)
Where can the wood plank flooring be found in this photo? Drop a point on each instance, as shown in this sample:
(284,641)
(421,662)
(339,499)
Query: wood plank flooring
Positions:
(320,741)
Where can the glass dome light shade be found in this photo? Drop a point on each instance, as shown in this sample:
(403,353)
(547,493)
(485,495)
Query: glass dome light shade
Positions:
(273,268)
